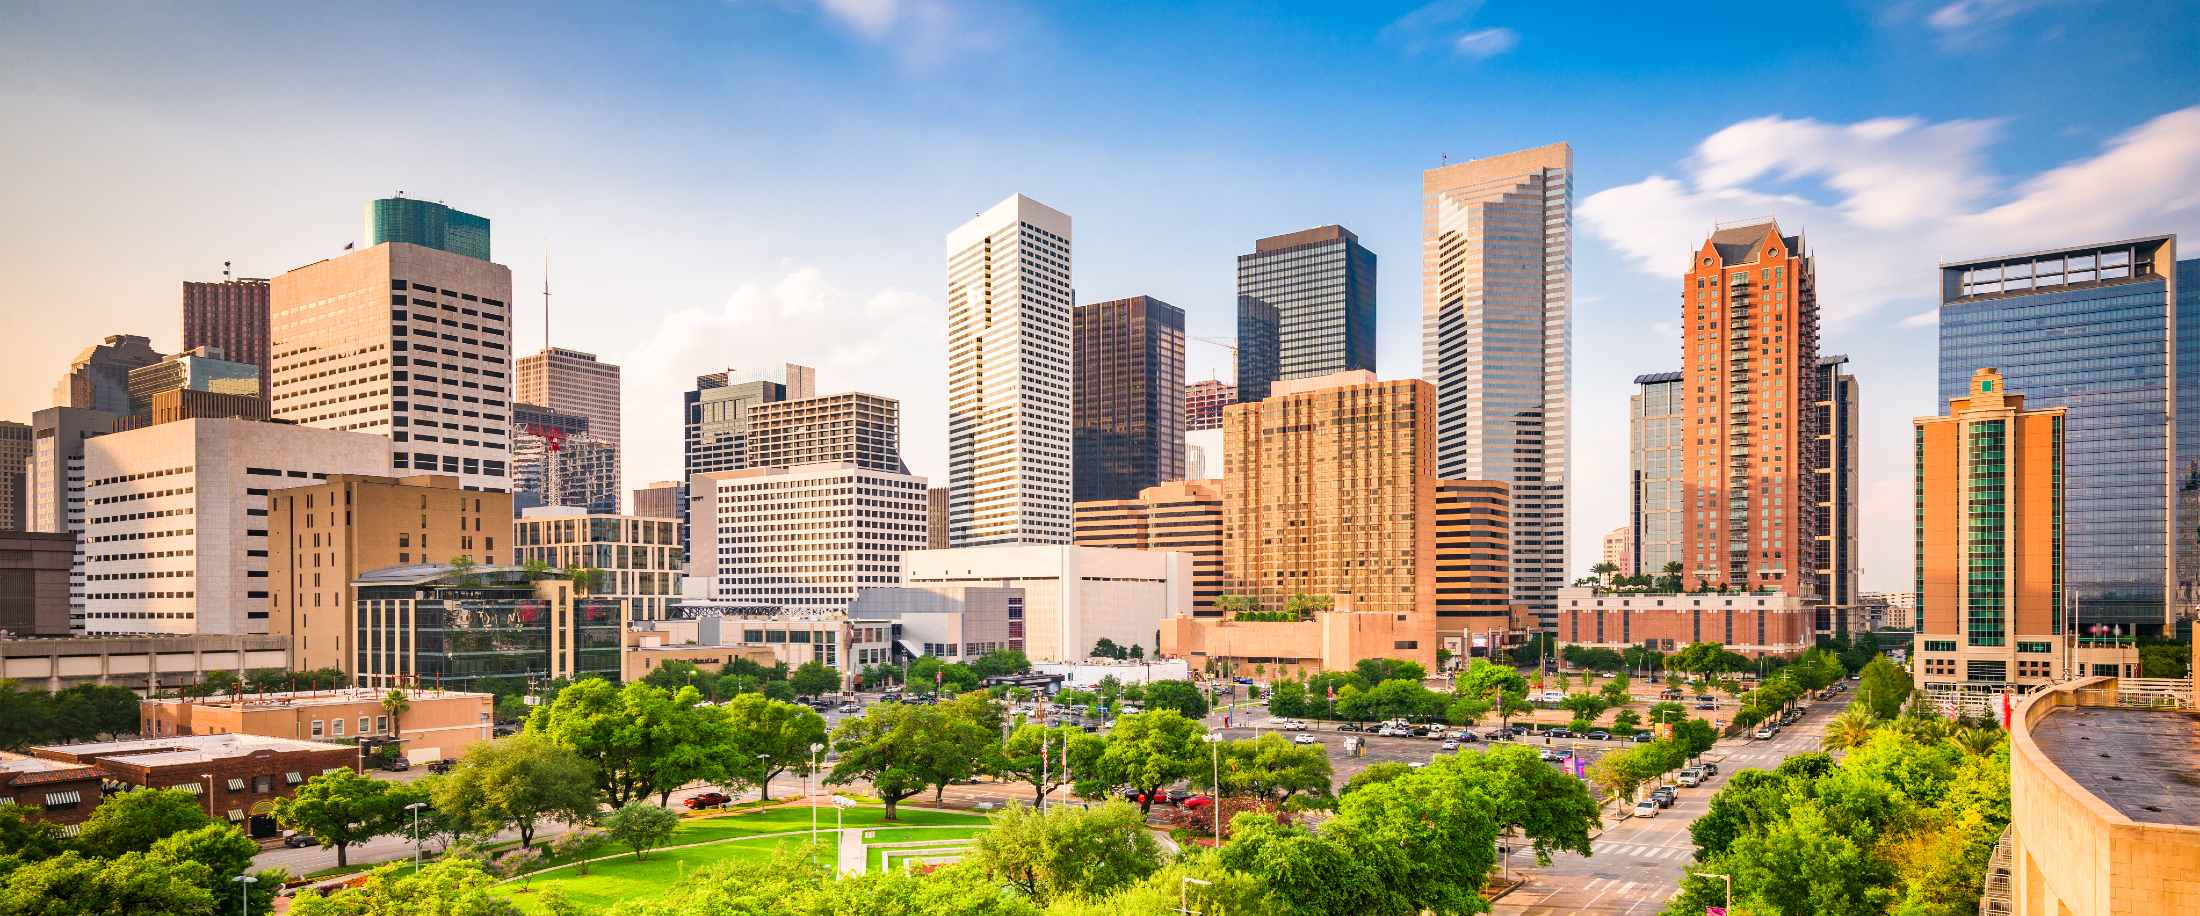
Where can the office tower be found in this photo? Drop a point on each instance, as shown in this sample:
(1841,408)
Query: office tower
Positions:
(202,369)
(1306,307)
(935,522)
(176,537)
(193,404)
(1129,406)
(230,316)
(99,377)
(1749,337)
(1009,376)
(429,225)
(640,557)
(1473,563)
(1656,424)
(434,378)
(54,483)
(1181,515)
(716,413)
(558,461)
(570,381)
(15,469)
(1497,341)
(322,535)
(864,429)
(433,626)
(1619,549)
(1836,466)
(2089,327)
(2186,542)
(803,538)
(660,499)
(1203,403)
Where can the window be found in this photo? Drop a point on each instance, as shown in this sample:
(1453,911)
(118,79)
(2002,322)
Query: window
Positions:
(263,784)
(381,725)
(338,726)
(364,723)
(317,728)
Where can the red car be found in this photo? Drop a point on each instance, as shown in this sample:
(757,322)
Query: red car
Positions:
(1197,802)
(706,800)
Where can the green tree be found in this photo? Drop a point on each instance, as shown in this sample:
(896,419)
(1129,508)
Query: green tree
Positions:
(223,852)
(1270,768)
(1182,696)
(517,783)
(1551,809)
(1584,706)
(1303,606)
(1667,713)
(964,742)
(1851,728)
(1152,750)
(1427,841)
(27,839)
(134,821)
(771,736)
(1001,663)
(88,712)
(640,826)
(1037,756)
(1288,699)
(395,704)
(1626,722)
(1302,873)
(1066,852)
(1695,736)
(71,884)
(1466,710)
(641,740)
(1378,670)
(814,678)
(1884,689)
(341,807)
(1392,699)
(675,673)
(1106,648)
(1373,774)
(888,747)
(445,887)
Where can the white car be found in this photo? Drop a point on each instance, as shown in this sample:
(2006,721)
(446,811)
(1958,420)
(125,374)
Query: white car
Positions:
(1765,734)
(1646,808)
(1305,739)
(1451,745)
(1553,696)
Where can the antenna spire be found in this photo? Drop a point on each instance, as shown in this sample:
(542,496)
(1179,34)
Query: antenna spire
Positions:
(546,299)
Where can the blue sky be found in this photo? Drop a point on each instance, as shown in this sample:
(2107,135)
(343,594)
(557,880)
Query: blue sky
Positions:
(743,184)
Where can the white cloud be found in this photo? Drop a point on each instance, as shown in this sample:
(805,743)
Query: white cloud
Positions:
(1929,318)
(870,17)
(1964,14)
(1483,44)
(922,34)
(1443,24)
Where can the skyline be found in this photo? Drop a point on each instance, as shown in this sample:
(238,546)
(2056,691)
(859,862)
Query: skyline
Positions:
(616,168)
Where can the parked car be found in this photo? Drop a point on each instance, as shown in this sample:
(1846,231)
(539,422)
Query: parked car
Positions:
(1691,777)
(1196,802)
(1706,704)
(1599,735)
(703,800)
(1294,725)
(1646,808)
(1464,735)
(1553,696)
(444,765)
(1351,727)
(1765,733)
(1304,738)
(1451,744)
(1556,754)
(849,709)
(1708,768)
(1665,797)
(1669,694)
(396,764)
(1558,733)
(1642,737)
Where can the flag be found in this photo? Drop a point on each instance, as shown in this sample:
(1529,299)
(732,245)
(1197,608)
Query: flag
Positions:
(1332,692)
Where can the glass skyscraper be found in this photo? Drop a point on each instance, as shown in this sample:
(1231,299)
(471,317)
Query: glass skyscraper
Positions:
(1657,421)
(1128,416)
(2089,328)
(427,224)
(1306,307)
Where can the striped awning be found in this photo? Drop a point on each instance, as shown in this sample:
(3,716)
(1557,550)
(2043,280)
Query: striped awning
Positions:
(191,787)
(236,785)
(293,778)
(334,770)
(70,797)
(7,799)
(236,814)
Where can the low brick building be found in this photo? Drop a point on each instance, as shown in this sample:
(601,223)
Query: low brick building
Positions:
(1752,624)
(240,776)
(436,724)
(50,790)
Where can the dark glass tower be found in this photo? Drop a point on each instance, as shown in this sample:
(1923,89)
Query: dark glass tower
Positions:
(427,224)
(1128,416)
(1306,307)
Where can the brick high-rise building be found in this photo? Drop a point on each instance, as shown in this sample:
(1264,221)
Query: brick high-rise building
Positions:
(1129,409)
(570,381)
(1749,339)
(1203,403)
(230,316)
(1181,515)
(1473,561)
(1306,308)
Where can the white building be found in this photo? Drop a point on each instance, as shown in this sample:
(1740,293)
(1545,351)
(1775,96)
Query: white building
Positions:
(1073,596)
(640,557)
(1203,454)
(409,343)
(1008,376)
(175,530)
(954,622)
(803,538)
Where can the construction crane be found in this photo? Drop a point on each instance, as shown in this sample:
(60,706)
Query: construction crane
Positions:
(1229,345)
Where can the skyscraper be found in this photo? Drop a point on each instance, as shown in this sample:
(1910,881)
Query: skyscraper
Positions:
(1619,549)
(1473,564)
(201,369)
(230,316)
(864,429)
(2091,328)
(15,466)
(1497,341)
(857,523)
(1203,403)
(1749,340)
(557,460)
(1306,307)
(99,377)
(406,342)
(429,225)
(1835,449)
(570,381)
(1009,376)
(54,483)
(1129,409)
(717,424)
(1656,426)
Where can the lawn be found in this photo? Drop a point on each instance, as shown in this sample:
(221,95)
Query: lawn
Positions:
(914,835)
(622,879)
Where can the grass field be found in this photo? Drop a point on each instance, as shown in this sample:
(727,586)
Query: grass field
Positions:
(914,835)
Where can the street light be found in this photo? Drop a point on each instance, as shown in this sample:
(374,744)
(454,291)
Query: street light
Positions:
(1183,896)
(815,750)
(244,897)
(1214,796)
(1729,879)
(415,809)
(764,777)
(209,777)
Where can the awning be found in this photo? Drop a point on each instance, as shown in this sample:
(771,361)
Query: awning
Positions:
(236,814)
(191,787)
(334,770)
(70,797)
(293,778)
(236,785)
(7,799)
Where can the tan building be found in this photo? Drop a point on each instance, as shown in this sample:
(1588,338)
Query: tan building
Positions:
(658,500)
(640,557)
(572,382)
(935,519)
(1182,515)
(1619,549)
(649,645)
(1331,641)
(239,776)
(146,664)
(1474,603)
(1752,624)
(436,724)
(49,790)
(855,427)
(322,537)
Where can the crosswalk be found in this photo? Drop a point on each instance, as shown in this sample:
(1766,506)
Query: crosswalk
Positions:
(1646,851)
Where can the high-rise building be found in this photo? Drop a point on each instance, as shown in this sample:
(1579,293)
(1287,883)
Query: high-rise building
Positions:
(54,483)
(570,381)
(659,500)
(192,404)
(1009,376)
(1836,452)
(176,536)
(99,377)
(557,460)
(640,557)
(429,225)
(1619,549)
(1203,403)
(1473,563)
(717,425)
(230,316)
(864,429)
(1306,307)
(1749,337)
(1129,409)
(803,538)
(434,378)
(202,369)
(2092,328)
(15,469)
(935,522)
(1497,341)
(1181,515)
(1656,425)
(321,536)
(34,584)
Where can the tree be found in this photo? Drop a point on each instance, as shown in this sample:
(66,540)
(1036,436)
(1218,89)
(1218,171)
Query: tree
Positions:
(782,733)
(1270,768)
(1586,706)
(134,821)
(1378,670)
(1427,841)
(675,673)
(1066,852)
(1302,873)
(1398,699)
(89,712)
(445,887)
(224,852)
(395,704)
(1001,662)
(515,784)
(341,807)
(641,740)
(1303,606)
(1667,713)
(1181,696)
(1466,710)
(1530,797)
(1615,691)
(963,741)
(1884,688)
(1851,728)
(70,884)
(1037,756)
(1626,722)
(1106,648)
(1148,751)
(1695,736)
(814,678)
(1288,699)
(1604,570)
(887,746)
(1374,773)
(640,826)
(27,839)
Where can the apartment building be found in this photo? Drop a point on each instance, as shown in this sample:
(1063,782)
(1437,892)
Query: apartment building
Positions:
(803,538)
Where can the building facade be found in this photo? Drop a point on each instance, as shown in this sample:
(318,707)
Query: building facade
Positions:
(192,404)
(660,499)
(1497,342)
(1182,515)
(803,538)
(434,378)
(1203,455)
(558,460)
(640,557)
(99,378)
(935,518)
(1836,455)
(176,535)
(54,482)
(49,790)
(239,777)
(436,724)
(442,628)
(717,425)
(1203,403)
(1009,380)
(1656,426)
(1073,596)
(428,224)
(711,636)
(230,316)
(574,382)
(862,429)
(1474,563)
(146,664)
(1306,307)
(203,369)
(1752,624)
(15,469)
(1129,407)
(954,622)
(1619,549)
(322,536)
(34,583)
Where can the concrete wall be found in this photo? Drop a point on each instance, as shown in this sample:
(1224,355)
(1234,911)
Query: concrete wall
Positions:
(139,663)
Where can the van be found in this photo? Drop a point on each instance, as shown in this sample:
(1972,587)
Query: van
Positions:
(1690,778)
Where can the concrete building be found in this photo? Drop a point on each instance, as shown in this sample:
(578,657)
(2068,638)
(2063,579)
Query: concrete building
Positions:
(203,369)
(1900,609)
(861,429)
(1473,566)
(573,382)
(650,644)
(1182,515)
(1203,403)
(146,664)
(176,534)
(429,224)
(192,404)
(436,724)
(954,622)
(1009,377)
(99,378)
(34,583)
(49,790)
(1619,549)
(2093,327)
(324,535)
(803,538)
(1497,342)
(1656,427)
(558,460)
(717,425)
(1753,624)
(935,518)
(660,499)
(434,379)
(15,469)
(230,316)
(640,557)
(1073,596)
(1306,308)
(1203,455)
(1128,412)
(795,638)
(434,627)
(1835,453)
(55,483)
(238,776)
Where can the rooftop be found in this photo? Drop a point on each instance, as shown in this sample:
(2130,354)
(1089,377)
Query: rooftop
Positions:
(19,763)
(179,749)
(289,699)
(2144,763)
